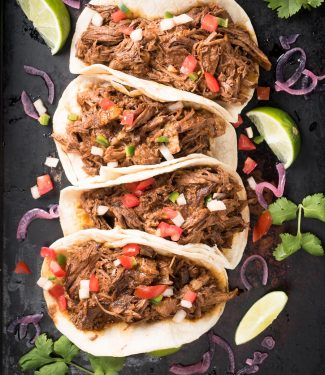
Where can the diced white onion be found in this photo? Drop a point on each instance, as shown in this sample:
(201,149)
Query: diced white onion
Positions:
(116,262)
(178,220)
(97,20)
(51,162)
(179,316)
(112,164)
(186,304)
(168,292)
(84,284)
(249,132)
(182,19)
(216,205)
(219,195)
(101,210)
(113,272)
(136,35)
(97,151)
(164,150)
(167,24)
(44,283)
(83,293)
(176,106)
(181,200)
(35,192)
(251,182)
(39,106)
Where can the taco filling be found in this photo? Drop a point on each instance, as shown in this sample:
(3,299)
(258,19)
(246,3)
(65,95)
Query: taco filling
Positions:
(191,205)
(103,285)
(202,51)
(120,130)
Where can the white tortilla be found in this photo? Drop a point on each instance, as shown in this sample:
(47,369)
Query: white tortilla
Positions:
(119,340)
(156,9)
(223,148)
(73,218)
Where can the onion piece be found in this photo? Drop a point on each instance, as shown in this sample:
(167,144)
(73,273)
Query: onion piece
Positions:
(251,182)
(182,19)
(168,292)
(28,106)
(136,35)
(181,200)
(51,162)
(34,214)
(97,20)
(215,205)
(34,191)
(279,86)
(112,164)
(167,24)
(197,368)
(97,151)
(249,132)
(243,278)
(101,210)
(73,3)
(164,150)
(186,304)
(44,283)
(49,83)
(179,316)
(84,284)
(278,192)
(178,219)
(268,342)
(83,293)
(224,345)
(176,106)
(258,359)
(285,41)
(116,262)
(39,106)
(283,60)
(24,322)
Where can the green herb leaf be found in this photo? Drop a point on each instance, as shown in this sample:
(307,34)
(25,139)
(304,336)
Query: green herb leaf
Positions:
(282,210)
(312,244)
(39,356)
(289,245)
(64,347)
(57,368)
(287,8)
(106,365)
(314,206)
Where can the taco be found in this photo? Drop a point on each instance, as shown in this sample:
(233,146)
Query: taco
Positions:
(115,292)
(207,47)
(101,123)
(196,200)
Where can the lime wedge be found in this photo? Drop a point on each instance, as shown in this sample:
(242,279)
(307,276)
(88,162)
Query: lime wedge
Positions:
(260,316)
(164,352)
(50,18)
(279,131)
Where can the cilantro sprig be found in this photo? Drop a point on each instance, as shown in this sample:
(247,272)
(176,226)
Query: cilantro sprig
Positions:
(283,210)
(54,358)
(287,8)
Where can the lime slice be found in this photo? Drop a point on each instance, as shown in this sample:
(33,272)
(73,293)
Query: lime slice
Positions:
(164,352)
(279,131)
(50,18)
(260,316)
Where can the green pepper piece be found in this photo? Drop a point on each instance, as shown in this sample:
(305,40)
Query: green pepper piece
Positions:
(61,259)
(129,150)
(162,139)
(193,76)
(44,119)
(208,199)
(73,117)
(223,22)
(51,278)
(156,300)
(173,196)
(102,140)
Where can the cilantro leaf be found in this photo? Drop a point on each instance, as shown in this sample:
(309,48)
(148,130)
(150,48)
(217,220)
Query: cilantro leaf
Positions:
(282,210)
(315,3)
(289,245)
(57,368)
(314,206)
(285,8)
(64,347)
(39,356)
(312,244)
(106,365)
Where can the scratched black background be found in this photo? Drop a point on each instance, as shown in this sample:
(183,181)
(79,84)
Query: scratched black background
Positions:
(300,329)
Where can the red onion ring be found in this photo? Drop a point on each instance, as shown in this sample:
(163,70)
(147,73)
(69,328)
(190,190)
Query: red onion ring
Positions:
(278,192)
(49,83)
(258,359)
(248,370)
(34,214)
(285,41)
(243,269)
(28,105)
(72,3)
(268,342)
(279,86)
(283,59)
(200,367)
(224,345)
(22,325)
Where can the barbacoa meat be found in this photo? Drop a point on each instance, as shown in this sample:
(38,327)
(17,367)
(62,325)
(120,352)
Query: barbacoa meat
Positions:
(197,184)
(188,130)
(229,54)
(115,301)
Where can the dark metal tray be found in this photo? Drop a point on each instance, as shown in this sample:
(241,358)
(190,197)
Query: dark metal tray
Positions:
(300,329)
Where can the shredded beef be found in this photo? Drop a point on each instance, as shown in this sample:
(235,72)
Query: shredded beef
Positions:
(230,53)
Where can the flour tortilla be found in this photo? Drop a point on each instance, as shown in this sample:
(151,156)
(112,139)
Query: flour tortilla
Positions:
(223,148)
(121,339)
(156,9)
(73,218)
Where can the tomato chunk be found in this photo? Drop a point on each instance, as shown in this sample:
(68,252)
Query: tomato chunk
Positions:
(127,262)
(263,93)
(209,23)
(56,269)
(118,16)
(127,30)
(238,123)
(149,292)
(169,213)
(212,82)
(22,268)
(188,65)
(130,201)
(56,291)
(106,104)
(245,144)
(131,249)
(93,283)
(173,231)
(127,118)
(48,252)
(44,184)
(249,165)
(143,185)
(262,226)
(190,296)
(62,302)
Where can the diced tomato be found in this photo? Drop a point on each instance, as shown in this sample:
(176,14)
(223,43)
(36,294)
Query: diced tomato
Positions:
(44,184)
(263,93)
(127,30)
(137,188)
(239,122)
(149,292)
(56,291)
(93,283)
(209,23)
(22,268)
(131,186)
(56,269)
(131,249)
(127,262)
(118,16)
(262,226)
(62,302)
(106,104)
(245,144)
(190,296)
(130,201)
(48,252)
(127,118)
(143,185)
(188,65)
(249,165)
(173,231)
(212,82)
(170,213)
